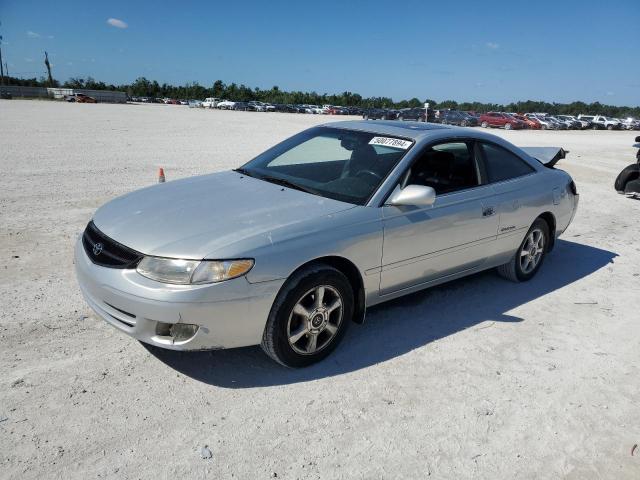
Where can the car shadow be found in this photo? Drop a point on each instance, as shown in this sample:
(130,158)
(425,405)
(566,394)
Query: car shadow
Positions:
(399,326)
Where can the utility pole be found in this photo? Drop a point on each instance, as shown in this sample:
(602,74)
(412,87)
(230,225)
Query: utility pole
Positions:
(1,69)
(46,62)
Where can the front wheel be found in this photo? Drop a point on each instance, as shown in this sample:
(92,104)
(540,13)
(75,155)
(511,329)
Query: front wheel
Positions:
(529,256)
(309,317)
(508,126)
(484,124)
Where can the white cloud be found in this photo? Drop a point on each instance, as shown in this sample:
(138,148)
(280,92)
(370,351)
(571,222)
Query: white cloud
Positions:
(114,22)
(492,45)
(33,34)
(610,94)
(27,59)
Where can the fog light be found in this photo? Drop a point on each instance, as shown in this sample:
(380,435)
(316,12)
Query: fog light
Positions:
(182,331)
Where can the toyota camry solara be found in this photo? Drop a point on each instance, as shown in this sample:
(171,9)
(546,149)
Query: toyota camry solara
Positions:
(291,248)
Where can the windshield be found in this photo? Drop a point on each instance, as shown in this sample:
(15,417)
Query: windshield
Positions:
(344,165)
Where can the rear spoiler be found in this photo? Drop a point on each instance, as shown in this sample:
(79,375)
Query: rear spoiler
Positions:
(548,156)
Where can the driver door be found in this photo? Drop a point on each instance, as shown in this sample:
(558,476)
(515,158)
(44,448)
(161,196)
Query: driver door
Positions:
(455,234)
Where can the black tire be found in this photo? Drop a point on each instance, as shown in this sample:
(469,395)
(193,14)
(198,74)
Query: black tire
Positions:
(628,174)
(513,269)
(484,124)
(275,339)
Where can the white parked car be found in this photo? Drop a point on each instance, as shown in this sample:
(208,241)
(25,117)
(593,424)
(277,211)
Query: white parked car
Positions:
(210,102)
(601,122)
(226,105)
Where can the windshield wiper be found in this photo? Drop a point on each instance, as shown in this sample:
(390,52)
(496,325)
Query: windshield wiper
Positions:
(287,183)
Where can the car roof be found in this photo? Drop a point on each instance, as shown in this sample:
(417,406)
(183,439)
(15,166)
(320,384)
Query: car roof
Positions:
(420,132)
(396,128)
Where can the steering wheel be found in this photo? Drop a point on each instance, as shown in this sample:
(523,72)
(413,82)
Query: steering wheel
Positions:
(375,175)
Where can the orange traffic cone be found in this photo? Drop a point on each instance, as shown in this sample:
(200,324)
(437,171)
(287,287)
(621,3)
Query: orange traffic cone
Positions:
(161,175)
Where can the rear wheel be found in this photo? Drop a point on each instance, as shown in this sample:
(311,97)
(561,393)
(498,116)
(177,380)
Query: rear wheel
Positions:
(529,256)
(609,127)
(484,124)
(309,317)
(508,126)
(463,123)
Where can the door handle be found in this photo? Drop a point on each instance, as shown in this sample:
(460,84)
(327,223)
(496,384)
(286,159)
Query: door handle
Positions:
(488,211)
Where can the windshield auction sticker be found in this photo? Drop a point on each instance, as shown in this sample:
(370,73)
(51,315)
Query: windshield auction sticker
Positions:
(390,142)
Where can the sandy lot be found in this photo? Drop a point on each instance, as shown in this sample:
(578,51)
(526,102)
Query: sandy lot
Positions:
(479,378)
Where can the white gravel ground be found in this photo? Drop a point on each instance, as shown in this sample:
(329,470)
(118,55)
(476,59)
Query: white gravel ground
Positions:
(480,378)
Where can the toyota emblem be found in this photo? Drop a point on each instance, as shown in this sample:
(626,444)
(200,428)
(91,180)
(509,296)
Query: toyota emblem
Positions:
(97,249)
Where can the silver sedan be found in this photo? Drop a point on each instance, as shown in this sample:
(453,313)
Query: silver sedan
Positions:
(291,248)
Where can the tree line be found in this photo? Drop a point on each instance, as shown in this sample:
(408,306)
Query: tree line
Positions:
(142,87)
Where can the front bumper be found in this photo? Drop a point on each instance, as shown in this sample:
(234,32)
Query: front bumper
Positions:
(229,314)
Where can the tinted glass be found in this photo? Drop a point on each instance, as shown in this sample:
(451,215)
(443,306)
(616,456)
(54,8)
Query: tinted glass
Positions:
(446,167)
(502,164)
(341,164)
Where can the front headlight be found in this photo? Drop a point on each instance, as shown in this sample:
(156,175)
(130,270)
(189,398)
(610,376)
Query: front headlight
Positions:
(188,272)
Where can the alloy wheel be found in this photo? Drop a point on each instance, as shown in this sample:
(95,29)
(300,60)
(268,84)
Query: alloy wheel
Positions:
(315,319)
(532,251)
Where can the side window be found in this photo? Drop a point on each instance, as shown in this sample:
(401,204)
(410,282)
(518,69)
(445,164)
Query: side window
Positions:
(502,164)
(447,167)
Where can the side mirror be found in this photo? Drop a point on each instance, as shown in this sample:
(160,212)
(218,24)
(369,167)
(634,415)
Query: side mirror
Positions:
(413,195)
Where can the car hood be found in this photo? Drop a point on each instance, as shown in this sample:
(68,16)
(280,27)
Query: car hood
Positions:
(195,217)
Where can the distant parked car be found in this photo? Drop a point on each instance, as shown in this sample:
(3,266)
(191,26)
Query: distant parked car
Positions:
(82,98)
(282,107)
(379,114)
(243,106)
(355,111)
(575,123)
(599,122)
(210,102)
(455,117)
(226,105)
(500,120)
(545,124)
(417,114)
(631,124)
(559,124)
(530,123)
(195,104)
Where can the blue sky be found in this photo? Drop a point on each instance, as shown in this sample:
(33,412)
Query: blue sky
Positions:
(491,51)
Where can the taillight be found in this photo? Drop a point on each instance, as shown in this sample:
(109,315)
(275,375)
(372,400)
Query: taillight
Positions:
(572,187)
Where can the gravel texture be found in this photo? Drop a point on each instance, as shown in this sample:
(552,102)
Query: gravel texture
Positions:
(480,378)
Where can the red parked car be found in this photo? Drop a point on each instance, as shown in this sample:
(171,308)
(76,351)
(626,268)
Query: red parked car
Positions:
(500,120)
(531,123)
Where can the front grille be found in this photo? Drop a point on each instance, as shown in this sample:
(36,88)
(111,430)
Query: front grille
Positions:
(106,252)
